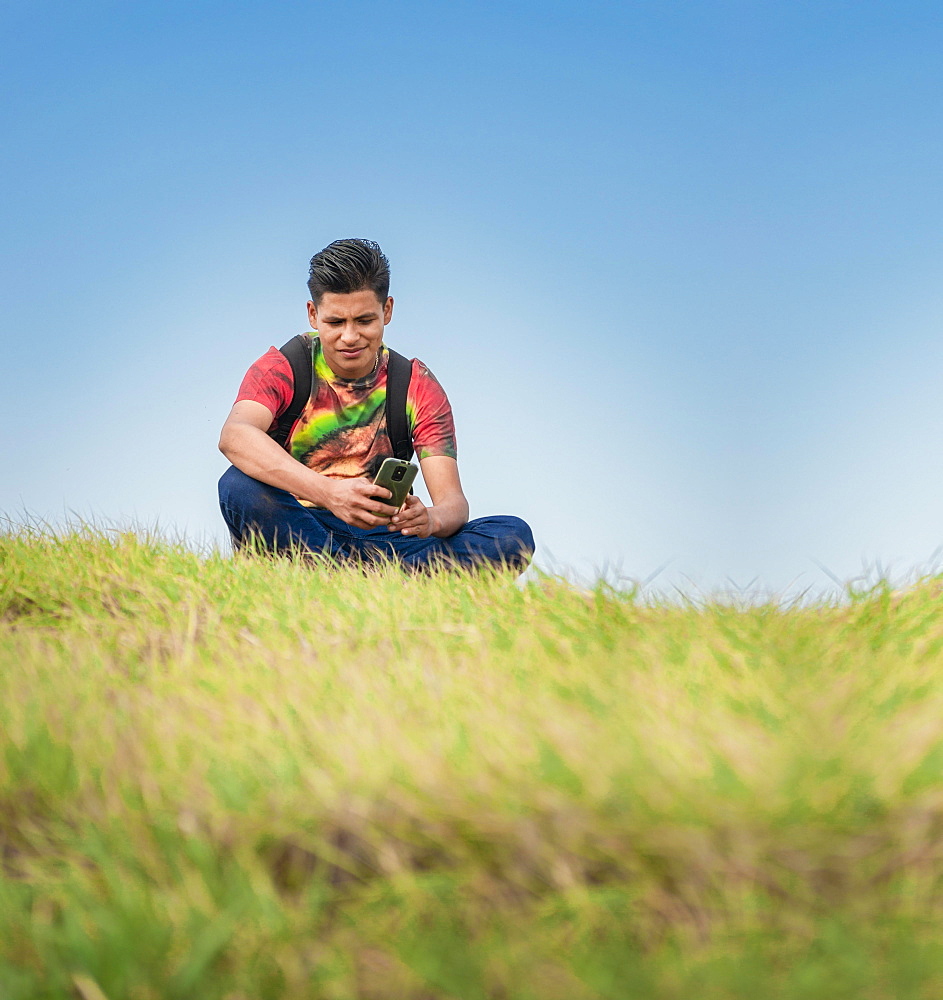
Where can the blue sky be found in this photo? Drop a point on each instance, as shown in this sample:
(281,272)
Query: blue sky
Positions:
(678,265)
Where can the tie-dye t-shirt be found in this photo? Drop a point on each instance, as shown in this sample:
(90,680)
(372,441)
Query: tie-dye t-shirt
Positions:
(342,430)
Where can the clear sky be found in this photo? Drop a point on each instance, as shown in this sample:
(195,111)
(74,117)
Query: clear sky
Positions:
(677,264)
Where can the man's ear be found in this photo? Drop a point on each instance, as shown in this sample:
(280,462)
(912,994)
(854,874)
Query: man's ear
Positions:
(388,310)
(312,315)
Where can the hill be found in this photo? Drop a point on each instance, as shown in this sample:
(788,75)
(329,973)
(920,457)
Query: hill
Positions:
(242,778)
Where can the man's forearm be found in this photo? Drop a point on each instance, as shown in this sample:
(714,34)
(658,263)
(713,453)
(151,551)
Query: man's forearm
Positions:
(448,516)
(253,452)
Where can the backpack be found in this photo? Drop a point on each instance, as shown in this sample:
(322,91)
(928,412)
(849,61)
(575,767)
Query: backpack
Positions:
(399,370)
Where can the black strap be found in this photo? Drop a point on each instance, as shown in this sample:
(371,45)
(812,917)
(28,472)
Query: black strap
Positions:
(398,373)
(298,352)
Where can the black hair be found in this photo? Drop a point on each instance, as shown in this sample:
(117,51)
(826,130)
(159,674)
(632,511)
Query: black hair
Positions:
(349,266)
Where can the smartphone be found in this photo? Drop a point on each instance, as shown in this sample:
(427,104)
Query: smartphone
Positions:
(397,476)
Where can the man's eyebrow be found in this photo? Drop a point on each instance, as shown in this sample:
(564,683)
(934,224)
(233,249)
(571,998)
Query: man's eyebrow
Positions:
(336,319)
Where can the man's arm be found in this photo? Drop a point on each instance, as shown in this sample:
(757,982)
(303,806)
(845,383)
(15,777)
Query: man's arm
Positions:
(246,444)
(449,510)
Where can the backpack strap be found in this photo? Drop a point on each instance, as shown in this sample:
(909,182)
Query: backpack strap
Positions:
(298,353)
(398,373)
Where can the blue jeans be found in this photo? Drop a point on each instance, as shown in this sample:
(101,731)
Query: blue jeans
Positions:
(274,518)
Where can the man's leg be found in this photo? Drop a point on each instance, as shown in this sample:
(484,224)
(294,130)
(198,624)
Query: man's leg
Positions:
(274,516)
(253,510)
(502,540)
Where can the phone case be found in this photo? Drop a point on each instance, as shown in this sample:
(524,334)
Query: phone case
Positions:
(398,484)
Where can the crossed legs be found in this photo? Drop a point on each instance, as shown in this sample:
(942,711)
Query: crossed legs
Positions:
(281,524)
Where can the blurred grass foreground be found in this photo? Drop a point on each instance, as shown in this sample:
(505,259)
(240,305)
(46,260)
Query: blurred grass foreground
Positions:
(242,778)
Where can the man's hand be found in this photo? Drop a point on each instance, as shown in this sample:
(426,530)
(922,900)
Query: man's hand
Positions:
(352,501)
(414,519)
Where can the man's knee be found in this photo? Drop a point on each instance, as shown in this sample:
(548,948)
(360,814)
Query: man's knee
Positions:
(237,491)
(511,539)
(250,509)
(517,535)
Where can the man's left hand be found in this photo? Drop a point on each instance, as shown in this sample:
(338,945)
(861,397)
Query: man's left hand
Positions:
(414,519)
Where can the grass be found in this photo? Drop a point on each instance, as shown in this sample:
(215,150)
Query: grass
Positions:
(241,778)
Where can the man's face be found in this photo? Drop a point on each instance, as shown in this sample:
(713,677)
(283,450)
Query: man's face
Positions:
(351,330)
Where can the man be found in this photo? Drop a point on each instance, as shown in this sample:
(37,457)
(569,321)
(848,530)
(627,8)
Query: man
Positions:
(316,493)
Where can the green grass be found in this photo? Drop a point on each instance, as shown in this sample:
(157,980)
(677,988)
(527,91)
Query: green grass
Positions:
(249,778)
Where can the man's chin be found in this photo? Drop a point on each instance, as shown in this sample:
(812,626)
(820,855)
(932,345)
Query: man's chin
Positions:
(355,368)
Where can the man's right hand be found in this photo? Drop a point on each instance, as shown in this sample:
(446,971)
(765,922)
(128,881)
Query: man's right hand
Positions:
(352,501)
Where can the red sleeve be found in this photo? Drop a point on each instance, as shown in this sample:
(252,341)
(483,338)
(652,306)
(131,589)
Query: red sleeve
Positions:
(430,415)
(270,382)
